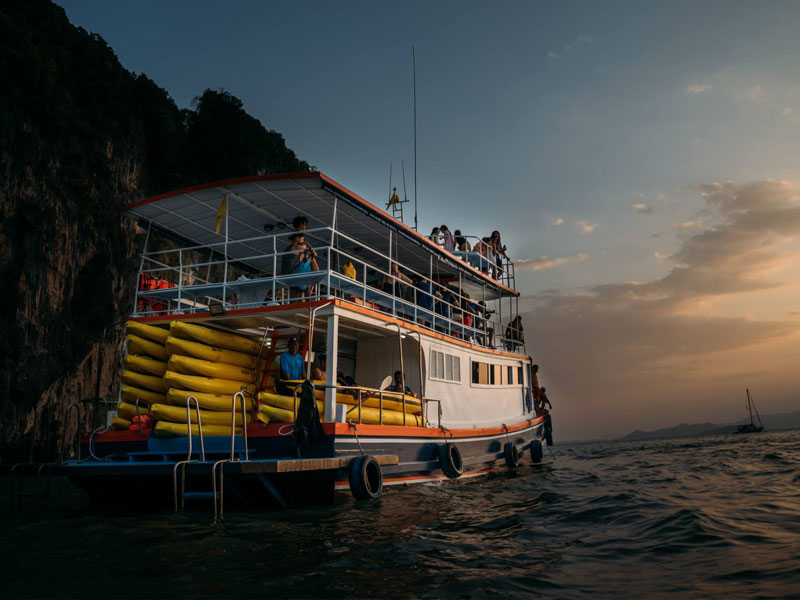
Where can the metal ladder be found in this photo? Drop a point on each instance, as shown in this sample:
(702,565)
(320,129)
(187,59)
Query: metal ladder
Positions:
(19,469)
(181,465)
(218,490)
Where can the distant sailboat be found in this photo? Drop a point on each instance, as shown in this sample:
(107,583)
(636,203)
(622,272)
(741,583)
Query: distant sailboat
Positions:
(751,427)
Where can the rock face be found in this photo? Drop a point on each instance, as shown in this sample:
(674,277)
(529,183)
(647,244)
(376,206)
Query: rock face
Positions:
(79,137)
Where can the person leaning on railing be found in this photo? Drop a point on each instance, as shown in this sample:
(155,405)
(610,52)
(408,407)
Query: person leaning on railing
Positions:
(462,245)
(514,334)
(425,297)
(500,252)
(395,282)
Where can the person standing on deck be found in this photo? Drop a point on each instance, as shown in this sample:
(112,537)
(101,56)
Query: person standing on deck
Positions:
(292,368)
(425,297)
(448,243)
(535,383)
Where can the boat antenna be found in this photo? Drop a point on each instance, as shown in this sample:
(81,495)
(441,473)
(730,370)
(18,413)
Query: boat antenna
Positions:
(405,194)
(414,70)
(390,180)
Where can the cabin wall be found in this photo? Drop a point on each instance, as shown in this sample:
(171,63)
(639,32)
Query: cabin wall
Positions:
(467,405)
(380,357)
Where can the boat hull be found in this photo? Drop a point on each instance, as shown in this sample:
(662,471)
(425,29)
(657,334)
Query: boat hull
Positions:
(137,471)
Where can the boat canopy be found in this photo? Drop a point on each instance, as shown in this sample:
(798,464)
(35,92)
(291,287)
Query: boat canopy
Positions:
(269,203)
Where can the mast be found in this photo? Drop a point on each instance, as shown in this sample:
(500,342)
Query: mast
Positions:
(749,407)
(414,66)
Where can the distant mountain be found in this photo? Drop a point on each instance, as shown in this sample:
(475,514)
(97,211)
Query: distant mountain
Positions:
(777,421)
(682,430)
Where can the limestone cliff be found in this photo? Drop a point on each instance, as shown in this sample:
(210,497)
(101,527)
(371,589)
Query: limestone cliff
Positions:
(79,137)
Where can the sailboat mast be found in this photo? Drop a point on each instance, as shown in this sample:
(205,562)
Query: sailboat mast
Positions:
(749,407)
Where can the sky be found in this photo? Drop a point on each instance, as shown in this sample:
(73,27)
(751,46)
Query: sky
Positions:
(639,159)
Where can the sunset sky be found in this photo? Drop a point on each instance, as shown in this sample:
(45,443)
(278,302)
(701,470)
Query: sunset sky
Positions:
(639,158)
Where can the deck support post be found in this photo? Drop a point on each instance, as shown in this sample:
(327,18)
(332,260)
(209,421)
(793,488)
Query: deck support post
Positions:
(332,350)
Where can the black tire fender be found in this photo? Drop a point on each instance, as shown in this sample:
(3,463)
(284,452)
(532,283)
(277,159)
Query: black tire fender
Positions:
(366,478)
(511,455)
(537,452)
(450,460)
(548,430)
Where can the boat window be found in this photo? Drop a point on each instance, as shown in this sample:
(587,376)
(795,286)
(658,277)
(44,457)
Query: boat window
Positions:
(445,366)
(486,374)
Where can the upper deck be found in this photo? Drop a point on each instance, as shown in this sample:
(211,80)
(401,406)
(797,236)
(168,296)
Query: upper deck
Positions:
(231,241)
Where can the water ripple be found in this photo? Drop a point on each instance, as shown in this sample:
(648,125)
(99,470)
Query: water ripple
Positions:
(690,518)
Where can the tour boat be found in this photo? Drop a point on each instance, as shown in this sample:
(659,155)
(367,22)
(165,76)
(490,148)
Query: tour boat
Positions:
(220,295)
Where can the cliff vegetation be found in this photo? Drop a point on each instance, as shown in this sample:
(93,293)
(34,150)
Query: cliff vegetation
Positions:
(81,136)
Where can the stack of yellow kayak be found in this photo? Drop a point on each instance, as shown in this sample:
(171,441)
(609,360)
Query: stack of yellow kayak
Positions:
(283,409)
(142,377)
(211,366)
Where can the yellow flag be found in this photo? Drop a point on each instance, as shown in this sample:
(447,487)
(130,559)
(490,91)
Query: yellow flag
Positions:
(223,208)
(393,200)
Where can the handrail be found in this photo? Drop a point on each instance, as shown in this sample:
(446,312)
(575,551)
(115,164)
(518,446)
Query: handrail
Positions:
(370,263)
(244,423)
(199,427)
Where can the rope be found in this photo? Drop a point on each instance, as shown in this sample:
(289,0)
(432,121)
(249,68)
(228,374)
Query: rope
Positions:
(355,434)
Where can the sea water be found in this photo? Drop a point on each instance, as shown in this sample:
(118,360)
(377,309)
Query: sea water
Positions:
(711,517)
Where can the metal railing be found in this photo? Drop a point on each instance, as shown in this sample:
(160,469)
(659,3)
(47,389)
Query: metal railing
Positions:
(377,285)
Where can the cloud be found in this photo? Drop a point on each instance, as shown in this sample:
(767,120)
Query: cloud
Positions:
(581,40)
(755,93)
(642,208)
(626,355)
(558,221)
(586,227)
(545,262)
(686,225)
(696,88)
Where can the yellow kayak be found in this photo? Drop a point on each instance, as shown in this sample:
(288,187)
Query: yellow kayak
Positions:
(155,334)
(176,345)
(284,402)
(145,364)
(167,429)
(214,337)
(211,385)
(196,366)
(176,414)
(371,416)
(207,401)
(119,423)
(139,345)
(130,394)
(272,414)
(128,411)
(391,400)
(148,382)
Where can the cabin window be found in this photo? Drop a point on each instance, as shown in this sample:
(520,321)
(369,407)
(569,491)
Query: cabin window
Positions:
(481,373)
(486,374)
(445,366)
